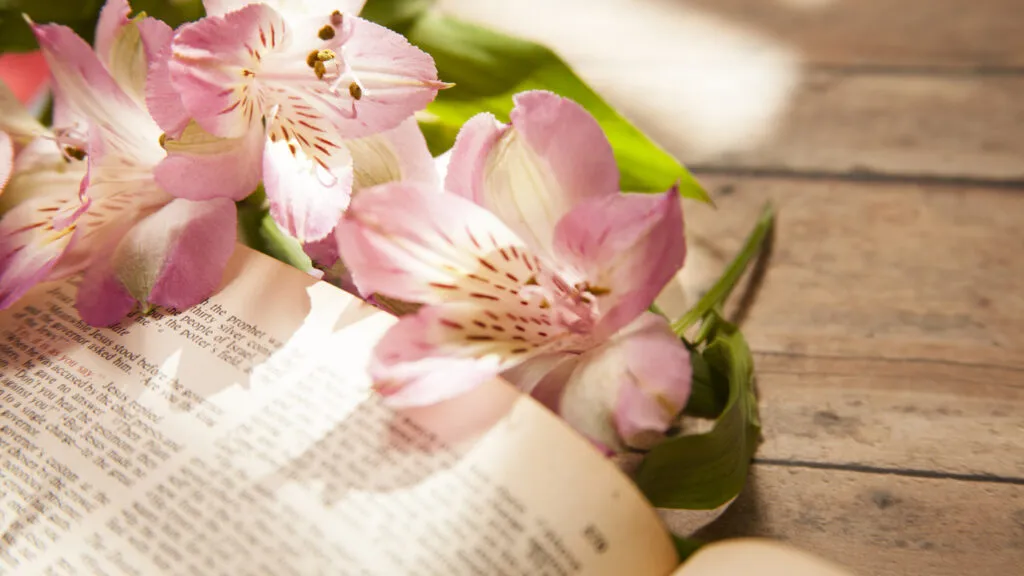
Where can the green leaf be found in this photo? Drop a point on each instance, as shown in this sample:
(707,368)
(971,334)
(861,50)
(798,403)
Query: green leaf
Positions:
(16,36)
(173,12)
(395,14)
(257,230)
(488,67)
(80,16)
(707,396)
(685,547)
(717,295)
(704,471)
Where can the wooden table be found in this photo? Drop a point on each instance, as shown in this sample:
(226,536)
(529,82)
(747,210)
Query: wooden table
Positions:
(889,327)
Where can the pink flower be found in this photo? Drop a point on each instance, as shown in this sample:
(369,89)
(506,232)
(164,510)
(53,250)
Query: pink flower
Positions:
(315,75)
(135,241)
(532,265)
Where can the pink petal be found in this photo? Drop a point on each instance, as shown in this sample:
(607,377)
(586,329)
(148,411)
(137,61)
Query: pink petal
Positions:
(399,154)
(554,157)
(207,67)
(629,390)
(306,200)
(660,377)
(91,93)
(113,201)
(469,156)
(236,70)
(30,245)
(628,245)
(113,16)
(308,7)
(102,299)
(396,78)
(418,245)
(6,159)
(162,99)
(323,253)
(222,7)
(200,166)
(176,256)
(432,356)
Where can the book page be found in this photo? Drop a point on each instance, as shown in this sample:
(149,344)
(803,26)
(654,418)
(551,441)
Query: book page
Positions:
(241,437)
(756,556)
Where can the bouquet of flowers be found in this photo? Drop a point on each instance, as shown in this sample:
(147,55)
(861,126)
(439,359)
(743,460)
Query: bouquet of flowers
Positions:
(464,180)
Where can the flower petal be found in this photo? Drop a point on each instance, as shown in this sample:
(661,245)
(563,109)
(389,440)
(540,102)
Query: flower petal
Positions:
(468,157)
(177,255)
(127,61)
(441,352)
(91,93)
(394,78)
(102,299)
(629,390)
(301,7)
(6,159)
(306,199)
(30,244)
(119,47)
(212,66)
(113,17)
(554,157)
(162,99)
(399,154)
(417,245)
(200,166)
(627,247)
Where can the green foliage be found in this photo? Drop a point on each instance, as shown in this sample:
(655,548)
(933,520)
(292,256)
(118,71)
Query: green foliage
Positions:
(705,471)
(80,16)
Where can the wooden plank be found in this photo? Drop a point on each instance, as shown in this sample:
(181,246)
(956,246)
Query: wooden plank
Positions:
(935,126)
(880,525)
(952,34)
(889,327)
(900,415)
(716,90)
(889,271)
(940,33)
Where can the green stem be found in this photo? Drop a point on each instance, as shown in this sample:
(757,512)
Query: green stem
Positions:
(717,295)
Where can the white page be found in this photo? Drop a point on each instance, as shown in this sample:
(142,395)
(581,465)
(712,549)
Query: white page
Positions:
(241,437)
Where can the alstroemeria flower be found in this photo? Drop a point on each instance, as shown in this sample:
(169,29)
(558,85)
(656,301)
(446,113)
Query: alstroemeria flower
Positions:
(533,259)
(137,242)
(42,171)
(312,74)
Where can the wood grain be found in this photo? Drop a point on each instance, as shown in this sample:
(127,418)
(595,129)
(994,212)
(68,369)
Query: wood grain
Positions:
(945,34)
(965,34)
(741,83)
(917,125)
(889,329)
(884,271)
(879,524)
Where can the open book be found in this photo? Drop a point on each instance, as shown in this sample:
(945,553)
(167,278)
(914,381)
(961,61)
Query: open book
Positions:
(241,437)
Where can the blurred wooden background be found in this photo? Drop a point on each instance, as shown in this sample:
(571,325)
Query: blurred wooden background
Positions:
(889,327)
